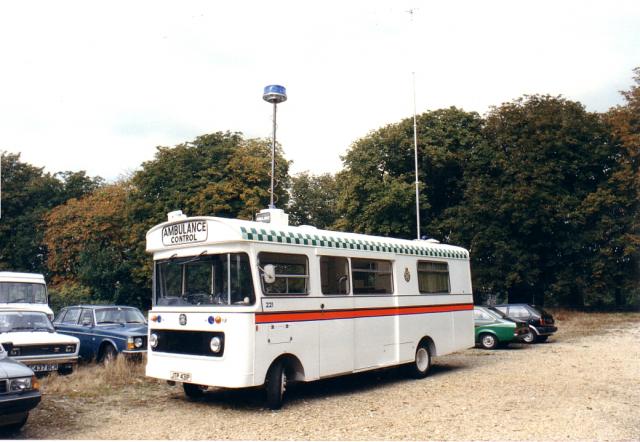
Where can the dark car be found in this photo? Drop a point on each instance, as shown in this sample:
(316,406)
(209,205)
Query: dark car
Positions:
(18,392)
(105,330)
(541,323)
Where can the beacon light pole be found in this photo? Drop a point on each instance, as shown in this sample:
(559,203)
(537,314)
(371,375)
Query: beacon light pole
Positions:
(274,94)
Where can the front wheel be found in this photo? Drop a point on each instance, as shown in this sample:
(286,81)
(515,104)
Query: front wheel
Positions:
(422,362)
(109,354)
(488,341)
(276,385)
(543,338)
(194,391)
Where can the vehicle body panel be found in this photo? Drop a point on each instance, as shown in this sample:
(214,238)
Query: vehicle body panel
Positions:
(94,336)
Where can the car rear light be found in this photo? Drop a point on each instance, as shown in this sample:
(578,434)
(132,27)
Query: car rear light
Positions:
(541,321)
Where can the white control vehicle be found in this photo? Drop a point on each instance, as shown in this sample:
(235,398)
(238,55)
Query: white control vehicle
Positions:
(240,304)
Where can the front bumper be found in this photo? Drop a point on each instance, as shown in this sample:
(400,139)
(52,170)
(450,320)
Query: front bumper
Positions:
(64,363)
(22,402)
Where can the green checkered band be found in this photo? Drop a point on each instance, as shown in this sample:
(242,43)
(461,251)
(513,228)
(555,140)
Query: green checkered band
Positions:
(253,234)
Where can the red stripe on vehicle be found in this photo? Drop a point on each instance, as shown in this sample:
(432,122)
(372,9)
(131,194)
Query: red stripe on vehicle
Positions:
(323,315)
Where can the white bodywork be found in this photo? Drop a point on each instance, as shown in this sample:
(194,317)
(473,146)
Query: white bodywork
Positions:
(325,335)
(28,278)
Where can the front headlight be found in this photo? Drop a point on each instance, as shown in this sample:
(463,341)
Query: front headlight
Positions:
(153,340)
(216,344)
(70,348)
(15,351)
(137,342)
(20,384)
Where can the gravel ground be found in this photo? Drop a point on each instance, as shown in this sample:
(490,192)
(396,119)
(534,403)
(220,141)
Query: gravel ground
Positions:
(572,387)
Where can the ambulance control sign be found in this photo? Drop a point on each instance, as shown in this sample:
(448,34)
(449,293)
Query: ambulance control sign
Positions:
(184,233)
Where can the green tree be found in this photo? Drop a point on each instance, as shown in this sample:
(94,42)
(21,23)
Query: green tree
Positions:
(522,215)
(27,194)
(377,185)
(313,200)
(219,174)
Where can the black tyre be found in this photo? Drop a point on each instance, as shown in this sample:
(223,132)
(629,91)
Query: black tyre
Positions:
(194,391)
(421,364)
(14,428)
(488,341)
(276,385)
(542,338)
(530,337)
(109,354)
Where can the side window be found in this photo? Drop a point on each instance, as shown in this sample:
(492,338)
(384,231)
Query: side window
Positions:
(371,277)
(291,274)
(334,275)
(86,318)
(72,316)
(433,277)
(518,311)
(61,314)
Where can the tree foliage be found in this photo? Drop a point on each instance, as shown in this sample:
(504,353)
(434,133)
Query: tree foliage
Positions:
(313,200)
(27,194)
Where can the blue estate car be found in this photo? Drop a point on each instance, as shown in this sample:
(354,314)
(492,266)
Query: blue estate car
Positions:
(104,330)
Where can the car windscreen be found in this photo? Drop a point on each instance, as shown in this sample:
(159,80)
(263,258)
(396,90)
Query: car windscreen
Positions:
(119,315)
(16,321)
(219,279)
(15,292)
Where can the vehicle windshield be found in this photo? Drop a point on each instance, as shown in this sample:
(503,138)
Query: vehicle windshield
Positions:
(222,279)
(14,292)
(119,315)
(15,321)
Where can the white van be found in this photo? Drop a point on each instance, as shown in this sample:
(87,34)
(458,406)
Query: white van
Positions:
(22,291)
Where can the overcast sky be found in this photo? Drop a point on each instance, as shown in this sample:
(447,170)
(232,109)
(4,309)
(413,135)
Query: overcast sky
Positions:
(96,86)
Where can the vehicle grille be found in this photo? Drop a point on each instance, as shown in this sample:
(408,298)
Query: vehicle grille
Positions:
(38,350)
(3,386)
(187,342)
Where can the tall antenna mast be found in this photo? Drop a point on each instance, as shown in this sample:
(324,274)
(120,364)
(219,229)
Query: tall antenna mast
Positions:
(415,141)
(274,94)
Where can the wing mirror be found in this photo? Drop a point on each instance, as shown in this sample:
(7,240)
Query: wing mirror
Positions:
(269,274)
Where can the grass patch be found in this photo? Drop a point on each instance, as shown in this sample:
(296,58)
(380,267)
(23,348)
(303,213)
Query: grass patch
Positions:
(93,380)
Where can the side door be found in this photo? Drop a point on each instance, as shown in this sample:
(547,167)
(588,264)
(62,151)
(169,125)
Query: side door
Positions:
(67,323)
(86,334)
(336,329)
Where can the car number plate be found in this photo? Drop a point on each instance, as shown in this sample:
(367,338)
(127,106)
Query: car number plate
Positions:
(43,367)
(179,376)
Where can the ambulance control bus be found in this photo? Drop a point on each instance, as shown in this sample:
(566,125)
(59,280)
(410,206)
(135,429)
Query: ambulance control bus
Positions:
(241,304)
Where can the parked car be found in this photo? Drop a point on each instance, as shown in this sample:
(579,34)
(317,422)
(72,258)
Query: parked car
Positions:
(29,337)
(105,330)
(541,323)
(493,328)
(18,392)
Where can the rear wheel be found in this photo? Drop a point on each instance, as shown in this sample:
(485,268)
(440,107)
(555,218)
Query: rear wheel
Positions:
(276,385)
(422,362)
(543,338)
(488,341)
(530,337)
(194,391)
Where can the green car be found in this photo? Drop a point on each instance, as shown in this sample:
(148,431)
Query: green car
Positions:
(494,328)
